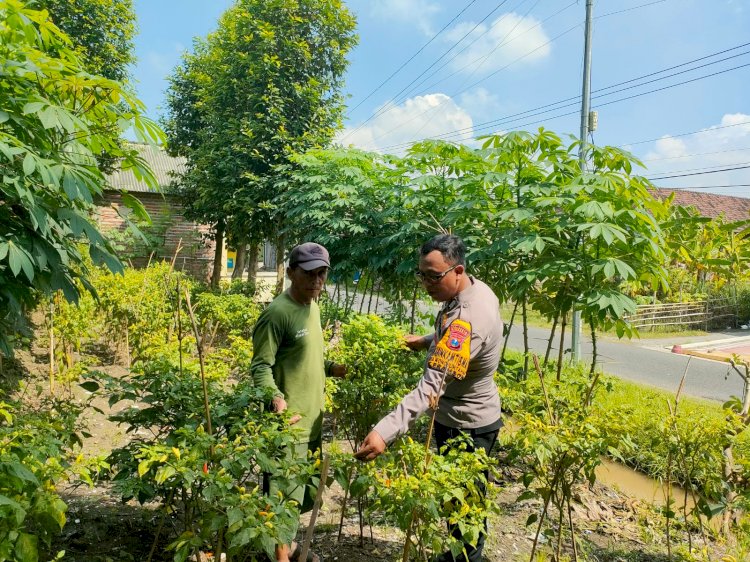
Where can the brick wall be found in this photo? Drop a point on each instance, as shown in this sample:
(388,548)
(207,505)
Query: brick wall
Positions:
(169,227)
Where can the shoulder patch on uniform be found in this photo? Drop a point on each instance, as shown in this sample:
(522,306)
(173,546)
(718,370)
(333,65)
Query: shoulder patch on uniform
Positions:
(453,351)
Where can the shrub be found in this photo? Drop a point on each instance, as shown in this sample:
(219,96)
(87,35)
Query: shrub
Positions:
(381,370)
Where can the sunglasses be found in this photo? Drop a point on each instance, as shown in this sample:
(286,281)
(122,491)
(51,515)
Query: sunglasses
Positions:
(433,277)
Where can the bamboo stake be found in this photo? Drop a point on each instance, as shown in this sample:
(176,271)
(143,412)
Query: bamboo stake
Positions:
(199,345)
(52,346)
(316,507)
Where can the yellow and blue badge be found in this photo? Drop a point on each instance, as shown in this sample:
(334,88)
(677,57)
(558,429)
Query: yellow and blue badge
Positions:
(453,351)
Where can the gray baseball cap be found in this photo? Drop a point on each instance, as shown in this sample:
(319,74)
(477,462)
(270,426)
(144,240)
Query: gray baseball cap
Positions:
(309,256)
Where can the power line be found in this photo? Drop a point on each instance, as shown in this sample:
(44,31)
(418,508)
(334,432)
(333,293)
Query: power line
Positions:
(483,58)
(629,9)
(700,131)
(496,122)
(422,48)
(479,81)
(506,66)
(691,155)
(699,173)
(575,100)
(699,169)
(439,105)
(386,108)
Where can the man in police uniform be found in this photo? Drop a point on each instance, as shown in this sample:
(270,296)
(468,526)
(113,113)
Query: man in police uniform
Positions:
(462,357)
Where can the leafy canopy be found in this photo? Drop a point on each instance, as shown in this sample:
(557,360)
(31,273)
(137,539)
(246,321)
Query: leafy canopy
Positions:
(55,119)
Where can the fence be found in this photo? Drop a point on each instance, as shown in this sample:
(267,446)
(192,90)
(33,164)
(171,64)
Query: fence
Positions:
(705,314)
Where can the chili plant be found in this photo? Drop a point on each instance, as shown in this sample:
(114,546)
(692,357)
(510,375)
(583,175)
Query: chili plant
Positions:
(212,481)
(380,372)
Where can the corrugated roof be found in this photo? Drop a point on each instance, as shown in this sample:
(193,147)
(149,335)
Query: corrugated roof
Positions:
(709,205)
(162,164)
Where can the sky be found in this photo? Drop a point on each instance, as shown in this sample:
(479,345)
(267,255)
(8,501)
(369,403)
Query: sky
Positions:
(670,79)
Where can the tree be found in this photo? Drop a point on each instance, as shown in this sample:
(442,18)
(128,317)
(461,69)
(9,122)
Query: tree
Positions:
(263,86)
(55,118)
(101,30)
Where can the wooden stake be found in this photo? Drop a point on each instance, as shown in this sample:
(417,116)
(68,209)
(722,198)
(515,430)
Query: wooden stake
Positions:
(316,507)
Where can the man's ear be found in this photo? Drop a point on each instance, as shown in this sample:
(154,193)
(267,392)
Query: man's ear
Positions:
(460,269)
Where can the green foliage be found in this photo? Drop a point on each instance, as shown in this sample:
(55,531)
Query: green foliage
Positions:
(102,31)
(560,440)
(633,424)
(227,314)
(706,254)
(418,491)
(265,84)
(139,305)
(55,119)
(381,370)
(539,230)
(211,480)
(448,488)
(35,453)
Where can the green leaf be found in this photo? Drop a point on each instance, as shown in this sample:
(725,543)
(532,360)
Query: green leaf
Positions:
(135,205)
(33,107)
(26,548)
(29,164)
(19,259)
(89,386)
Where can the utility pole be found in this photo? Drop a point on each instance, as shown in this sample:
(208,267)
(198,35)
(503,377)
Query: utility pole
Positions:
(585,110)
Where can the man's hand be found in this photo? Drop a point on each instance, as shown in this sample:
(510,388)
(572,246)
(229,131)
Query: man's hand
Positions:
(416,343)
(279,405)
(372,447)
(338,371)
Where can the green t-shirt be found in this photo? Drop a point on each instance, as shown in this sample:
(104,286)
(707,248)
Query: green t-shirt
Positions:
(288,357)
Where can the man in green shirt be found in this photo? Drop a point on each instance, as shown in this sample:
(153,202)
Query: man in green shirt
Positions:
(288,358)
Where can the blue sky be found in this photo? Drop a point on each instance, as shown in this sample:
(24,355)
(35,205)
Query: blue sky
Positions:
(478,64)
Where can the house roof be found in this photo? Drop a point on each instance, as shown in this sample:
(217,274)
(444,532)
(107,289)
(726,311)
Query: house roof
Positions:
(162,164)
(709,205)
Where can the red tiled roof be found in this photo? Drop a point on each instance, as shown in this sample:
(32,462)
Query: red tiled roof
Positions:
(709,205)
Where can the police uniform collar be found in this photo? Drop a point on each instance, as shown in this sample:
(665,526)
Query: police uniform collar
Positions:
(463,296)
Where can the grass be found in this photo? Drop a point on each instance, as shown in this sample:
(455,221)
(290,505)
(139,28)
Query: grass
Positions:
(637,415)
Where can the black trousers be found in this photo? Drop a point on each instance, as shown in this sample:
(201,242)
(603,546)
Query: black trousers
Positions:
(485,440)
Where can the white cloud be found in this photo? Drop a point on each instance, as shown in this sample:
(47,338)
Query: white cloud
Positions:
(418,118)
(482,103)
(725,145)
(509,38)
(418,12)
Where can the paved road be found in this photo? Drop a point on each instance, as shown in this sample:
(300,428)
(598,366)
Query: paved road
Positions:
(646,361)
(649,361)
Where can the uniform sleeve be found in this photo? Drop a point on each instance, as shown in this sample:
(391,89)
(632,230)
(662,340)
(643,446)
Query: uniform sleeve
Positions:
(413,405)
(267,336)
(448,359)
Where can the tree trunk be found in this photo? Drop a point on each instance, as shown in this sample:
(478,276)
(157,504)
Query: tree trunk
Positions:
(524,316)
(561,350)
(413,308)
(218,255)
(506,331)
(252,262)
(279,265)
(239,262)
(593,344)
(551,339)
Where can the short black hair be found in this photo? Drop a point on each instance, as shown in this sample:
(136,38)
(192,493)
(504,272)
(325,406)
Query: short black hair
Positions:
(450,246)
